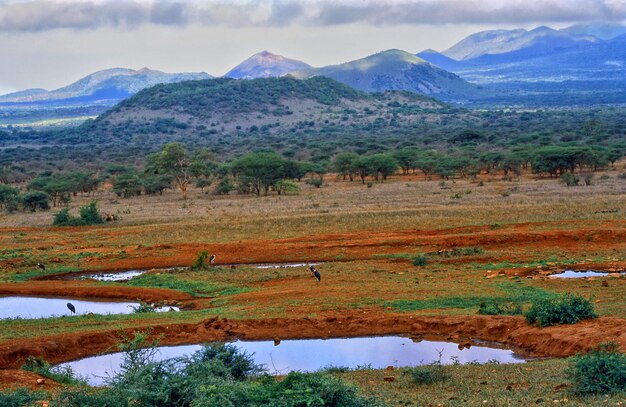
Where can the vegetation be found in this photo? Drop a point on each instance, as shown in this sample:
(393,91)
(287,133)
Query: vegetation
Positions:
(601,371)
(89,215)
(565,309)
(217,375)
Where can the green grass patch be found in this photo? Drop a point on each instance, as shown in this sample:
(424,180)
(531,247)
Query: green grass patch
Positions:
(194,283)
(512,293)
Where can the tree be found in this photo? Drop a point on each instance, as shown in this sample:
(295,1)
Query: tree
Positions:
(284,186)
(57,186)
(156,183)
(259,170)
(382,165)
(9,198)
(174,160)
(36,200)
(344,164)
(127,185)
(405,158)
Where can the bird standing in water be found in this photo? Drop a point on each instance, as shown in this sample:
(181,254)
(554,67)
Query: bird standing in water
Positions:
(71,307)
(315,273)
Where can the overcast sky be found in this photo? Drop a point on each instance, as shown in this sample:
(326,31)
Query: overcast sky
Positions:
(52,43)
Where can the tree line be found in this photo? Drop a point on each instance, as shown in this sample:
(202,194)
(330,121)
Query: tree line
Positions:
(262,172)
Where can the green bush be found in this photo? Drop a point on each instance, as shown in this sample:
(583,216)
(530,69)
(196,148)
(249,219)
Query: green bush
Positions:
(89,215)
(19,397)
(494,308)
(601,371)
(565,309)
(570,179)
(420,260)
(200,262)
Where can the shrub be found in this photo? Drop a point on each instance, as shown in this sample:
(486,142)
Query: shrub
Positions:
(570,179)
(429,374)
(494,308)
(316,182)
(420,260)
(601,371)
(63,375)
(19,397)
(200,262)
(89,215)
(565,309)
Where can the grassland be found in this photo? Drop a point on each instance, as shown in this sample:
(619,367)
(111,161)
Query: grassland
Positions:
(508,235)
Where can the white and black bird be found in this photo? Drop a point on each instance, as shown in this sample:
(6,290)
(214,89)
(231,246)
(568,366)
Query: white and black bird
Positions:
(41,266)
(315,273)
(212,259)
(71,307)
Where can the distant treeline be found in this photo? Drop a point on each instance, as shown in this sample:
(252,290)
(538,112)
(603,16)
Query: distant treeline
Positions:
(262,172)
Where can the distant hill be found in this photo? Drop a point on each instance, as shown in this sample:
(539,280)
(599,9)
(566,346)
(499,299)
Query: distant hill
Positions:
(395,70)
(107,86)
(537,42)
(234,112)
(265,65)
(599,30)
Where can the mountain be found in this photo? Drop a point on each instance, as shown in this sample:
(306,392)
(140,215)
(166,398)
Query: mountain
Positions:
(536,42)
(598,30)
(107,86)
(394,70)
(265,65)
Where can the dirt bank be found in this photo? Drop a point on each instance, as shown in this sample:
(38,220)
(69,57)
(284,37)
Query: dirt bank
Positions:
(557,341)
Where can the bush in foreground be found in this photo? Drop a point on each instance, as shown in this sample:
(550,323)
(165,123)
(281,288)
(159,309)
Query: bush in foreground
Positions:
(601,371)
(218,375)
(565,309)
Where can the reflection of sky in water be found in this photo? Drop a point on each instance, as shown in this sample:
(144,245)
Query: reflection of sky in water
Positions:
(125,275)
(314,354)
(579,274)
(34,307)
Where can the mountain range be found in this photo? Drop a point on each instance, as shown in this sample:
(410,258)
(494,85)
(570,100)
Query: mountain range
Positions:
(106,87)
(584,63)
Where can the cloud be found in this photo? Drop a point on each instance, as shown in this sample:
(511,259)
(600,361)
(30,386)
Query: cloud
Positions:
(43,15)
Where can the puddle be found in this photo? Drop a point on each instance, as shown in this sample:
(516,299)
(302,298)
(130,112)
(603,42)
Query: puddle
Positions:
(580,274)
(121,276)
(283,265)
(38,307)
(313,354)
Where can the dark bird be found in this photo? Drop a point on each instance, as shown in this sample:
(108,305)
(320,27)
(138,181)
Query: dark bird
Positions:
(71,307)
(316,273)
(41,266)
(212,259)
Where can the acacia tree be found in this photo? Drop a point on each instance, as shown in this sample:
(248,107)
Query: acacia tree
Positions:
(259,170)
(173,160)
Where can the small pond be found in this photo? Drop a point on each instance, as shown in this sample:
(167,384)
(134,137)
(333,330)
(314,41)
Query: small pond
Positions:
(580,274)
(41,307)
(314,354)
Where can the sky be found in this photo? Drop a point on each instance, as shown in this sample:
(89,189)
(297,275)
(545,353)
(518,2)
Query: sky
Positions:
(49,44)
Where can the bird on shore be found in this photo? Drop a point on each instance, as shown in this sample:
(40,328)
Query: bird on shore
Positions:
(315,273)
(41,266)
(71,307)
(212,259)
